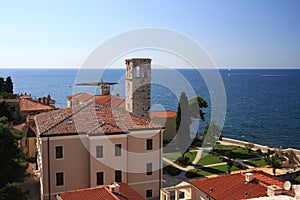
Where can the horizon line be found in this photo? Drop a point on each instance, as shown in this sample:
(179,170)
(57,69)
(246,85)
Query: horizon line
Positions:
(227,68)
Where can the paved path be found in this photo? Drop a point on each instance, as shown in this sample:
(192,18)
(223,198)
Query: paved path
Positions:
(196,160)
(198,156)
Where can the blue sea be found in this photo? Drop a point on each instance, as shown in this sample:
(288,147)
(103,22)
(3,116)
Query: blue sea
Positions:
(262,105)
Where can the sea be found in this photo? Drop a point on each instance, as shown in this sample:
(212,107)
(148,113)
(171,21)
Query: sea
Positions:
(262,105)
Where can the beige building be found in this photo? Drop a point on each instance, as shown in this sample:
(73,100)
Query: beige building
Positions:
(166,119)
(89,145)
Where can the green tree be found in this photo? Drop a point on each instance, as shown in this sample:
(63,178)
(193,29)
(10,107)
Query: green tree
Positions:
(195,105)
(183,121)
(275,163)
(249,147)
(12,158)
(2,82)
(212,132)
(8,86)
(229,165)
(5,112)
(13,191)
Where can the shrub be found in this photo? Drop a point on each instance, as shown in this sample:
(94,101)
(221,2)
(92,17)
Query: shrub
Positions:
(259,151)
(193,173)
(171,170)
(183,161)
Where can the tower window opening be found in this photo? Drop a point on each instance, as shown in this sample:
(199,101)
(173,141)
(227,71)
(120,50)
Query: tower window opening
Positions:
(137,72)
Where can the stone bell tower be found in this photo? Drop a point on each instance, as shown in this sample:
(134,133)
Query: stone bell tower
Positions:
(138,86)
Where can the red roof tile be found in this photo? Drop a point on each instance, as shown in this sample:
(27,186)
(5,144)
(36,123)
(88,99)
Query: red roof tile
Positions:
(97,193)
(102,193)
(234,186)
(30,105)
(126,192)
(163,114)
(86,119)
(19,127)
(103,99)
(81,97)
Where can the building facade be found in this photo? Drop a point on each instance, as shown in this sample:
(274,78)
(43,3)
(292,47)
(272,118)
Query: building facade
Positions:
(90,145)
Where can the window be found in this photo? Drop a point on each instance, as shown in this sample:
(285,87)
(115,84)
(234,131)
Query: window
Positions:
(59,178)
(118,149)
(96,108)
(118,176)
(59,152)
(149,144)
(100,178)
(137,72)
(148,193)
(96,120)
(181,195)
(99,151)
(70,121)
(149,169)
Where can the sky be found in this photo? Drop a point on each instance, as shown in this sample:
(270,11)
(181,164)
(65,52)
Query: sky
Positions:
(234,33)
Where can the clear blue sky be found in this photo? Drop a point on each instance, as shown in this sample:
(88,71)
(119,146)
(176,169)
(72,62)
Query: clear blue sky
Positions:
(235,33)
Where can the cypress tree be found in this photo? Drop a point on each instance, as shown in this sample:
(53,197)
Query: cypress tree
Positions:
(8,86)
(2,82)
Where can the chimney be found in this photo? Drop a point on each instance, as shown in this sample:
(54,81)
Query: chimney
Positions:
(249,177)
(115,188)
(104,89)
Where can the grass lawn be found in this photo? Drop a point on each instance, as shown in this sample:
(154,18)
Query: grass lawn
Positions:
(237,152)
(206,171)
(209,159)
(172,156)
(191,155)
(257,163)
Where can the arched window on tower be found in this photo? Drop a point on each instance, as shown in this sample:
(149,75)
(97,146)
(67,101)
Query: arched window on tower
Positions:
(137,72)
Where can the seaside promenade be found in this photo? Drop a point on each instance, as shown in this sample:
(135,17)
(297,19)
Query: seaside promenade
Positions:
(171,180)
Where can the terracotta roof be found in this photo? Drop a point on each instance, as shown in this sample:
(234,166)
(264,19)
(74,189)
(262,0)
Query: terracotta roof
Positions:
(163,114)
(126,192)
(19,127)
(81,96)
(30,105)
(91,118)
(109,100)
(103,99)
(10,100)
(234,187)
(97,193)
(102,193)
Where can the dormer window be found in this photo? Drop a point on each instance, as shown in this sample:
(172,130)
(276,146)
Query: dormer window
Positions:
(96,108)
(117,119)
(70,121)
